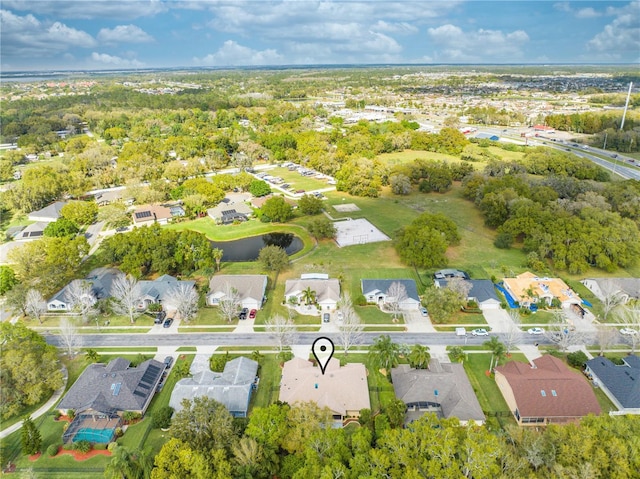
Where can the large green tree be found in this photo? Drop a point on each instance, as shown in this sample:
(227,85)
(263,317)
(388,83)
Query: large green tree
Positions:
(384,353)
(277,209)
(80,212)
(30,439)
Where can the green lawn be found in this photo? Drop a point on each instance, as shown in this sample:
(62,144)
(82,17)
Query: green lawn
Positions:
(269,388)
(297,181)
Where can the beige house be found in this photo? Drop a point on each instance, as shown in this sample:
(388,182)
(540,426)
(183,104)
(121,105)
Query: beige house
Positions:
(149,214)
(327,290)
(250,288)
(528,289)
(344,389)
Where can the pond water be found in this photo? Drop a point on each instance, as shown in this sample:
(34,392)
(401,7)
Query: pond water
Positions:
(247,249)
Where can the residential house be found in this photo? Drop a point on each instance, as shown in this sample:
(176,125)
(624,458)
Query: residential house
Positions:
(450,273)
(232,388)
(250,288)
(100,280)
(548,392)
(443,389)
(378,291)
(327,290)
(32,232)
(482,292)
(528,289)
(106,197)
(621,383)
(159,291)
(625,288)
(103,392)
(149,214)
(49,213)
(343,389)
(232,208)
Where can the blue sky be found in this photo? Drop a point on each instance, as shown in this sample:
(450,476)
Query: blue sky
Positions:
(112,34)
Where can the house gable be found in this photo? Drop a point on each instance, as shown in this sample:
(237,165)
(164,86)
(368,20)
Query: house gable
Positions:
(621,383)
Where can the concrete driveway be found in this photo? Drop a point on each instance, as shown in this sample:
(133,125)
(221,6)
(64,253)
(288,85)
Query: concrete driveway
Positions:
(498,320)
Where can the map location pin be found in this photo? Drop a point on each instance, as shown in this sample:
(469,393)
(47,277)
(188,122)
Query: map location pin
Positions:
(322,350)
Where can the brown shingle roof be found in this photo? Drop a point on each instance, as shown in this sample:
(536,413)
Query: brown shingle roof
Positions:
(550,389)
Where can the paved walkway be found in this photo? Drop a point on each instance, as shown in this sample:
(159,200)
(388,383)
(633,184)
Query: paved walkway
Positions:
(530,351)
(43,409)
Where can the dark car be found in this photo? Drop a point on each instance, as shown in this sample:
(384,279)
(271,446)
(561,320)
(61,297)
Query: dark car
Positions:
(326,317)
(168,361)
(160,317)
(243,313)
(167,323)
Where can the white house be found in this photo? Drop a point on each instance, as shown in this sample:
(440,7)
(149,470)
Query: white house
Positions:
(327,290)
(49,213)
(250,289)
(380,291)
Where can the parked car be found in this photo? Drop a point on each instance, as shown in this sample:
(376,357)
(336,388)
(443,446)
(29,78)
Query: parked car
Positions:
(535,330)
(339,316)
(252,313)
(160,317)
(480,332)
(168,361)
(423,311)
(628,331)
(243,313)
(167,323)
(326,317)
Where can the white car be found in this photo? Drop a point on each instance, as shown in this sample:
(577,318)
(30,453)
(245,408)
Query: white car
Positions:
(339,315)
(535,330)
(628,331)
(423,311)
(480,332)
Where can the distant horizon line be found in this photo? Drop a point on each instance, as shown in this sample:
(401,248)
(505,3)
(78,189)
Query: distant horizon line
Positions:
(285,66)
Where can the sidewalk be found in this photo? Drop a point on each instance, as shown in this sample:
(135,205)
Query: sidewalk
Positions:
(43,409)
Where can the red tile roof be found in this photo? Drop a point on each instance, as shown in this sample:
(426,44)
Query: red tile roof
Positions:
(550,389)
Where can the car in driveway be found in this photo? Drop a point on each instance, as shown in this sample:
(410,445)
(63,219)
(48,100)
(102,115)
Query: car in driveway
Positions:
(252,313)
(480,332)
(243,313)
(326,317)
(160,317)
(628,332)
(424,312)
(167,323)
(168,361)
(535,330)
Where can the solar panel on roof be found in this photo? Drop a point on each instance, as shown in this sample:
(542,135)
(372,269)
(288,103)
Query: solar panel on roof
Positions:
(229,212)
(36,233)
(143,214)
(138,393)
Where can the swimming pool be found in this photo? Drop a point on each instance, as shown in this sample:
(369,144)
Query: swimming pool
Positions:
(94,435)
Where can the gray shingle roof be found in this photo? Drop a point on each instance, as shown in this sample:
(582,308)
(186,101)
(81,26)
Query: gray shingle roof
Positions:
(114,387)
(232,387)
(622,381)
(248,286)
(50,212)
(382,285)
(159,287)
(481,289)
(443,383)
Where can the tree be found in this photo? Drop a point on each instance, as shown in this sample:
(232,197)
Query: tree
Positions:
(419,356)
(204,424)
(498,350)
(230,303)
(308,296)
(442,303)
(384,354)
(217,256)
(457,354)
(248,457)
(284,331)
(69,336)
(273,258)
(29,368)
(30,438)
(115,215)
(185,299)
(16,299)
(630,316)
(35,305)
(80,295)
(400,184)
(80,212)
(611,297)
(512,337)
(322,228)
(349,328)
(605,336)
(461,286)
(277,209)
(179,459)
(126,293)
(259,188)
(421,246)
(61,228)
(127,464)
(395,411)
(7,279)
(310,205)
(396,295)
(563,335)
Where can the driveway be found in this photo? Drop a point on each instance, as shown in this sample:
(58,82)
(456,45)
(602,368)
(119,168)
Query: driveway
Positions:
(498,320)
(416,323)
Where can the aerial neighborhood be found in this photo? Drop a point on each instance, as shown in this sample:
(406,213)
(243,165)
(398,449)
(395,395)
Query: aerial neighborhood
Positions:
(342,273)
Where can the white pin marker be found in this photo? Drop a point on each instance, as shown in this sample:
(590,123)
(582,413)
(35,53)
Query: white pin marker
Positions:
(322,350)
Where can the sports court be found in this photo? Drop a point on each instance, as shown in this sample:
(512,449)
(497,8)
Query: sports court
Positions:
(360,231)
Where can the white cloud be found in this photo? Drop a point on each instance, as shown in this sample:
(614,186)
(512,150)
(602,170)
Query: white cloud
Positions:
(456,45)
(394,27)
(234,54)
(587,13)
(621,35)
(28,36)
(124,34)
(114,61)
(562,6)
(89,9)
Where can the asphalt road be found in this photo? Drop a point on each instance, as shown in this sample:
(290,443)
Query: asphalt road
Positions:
(266,339)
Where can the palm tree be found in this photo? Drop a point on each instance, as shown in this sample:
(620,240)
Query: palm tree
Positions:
(247,455)
(308,296)
(457,354)
(498,350)
(419,356)
(217,255)
(384,353)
